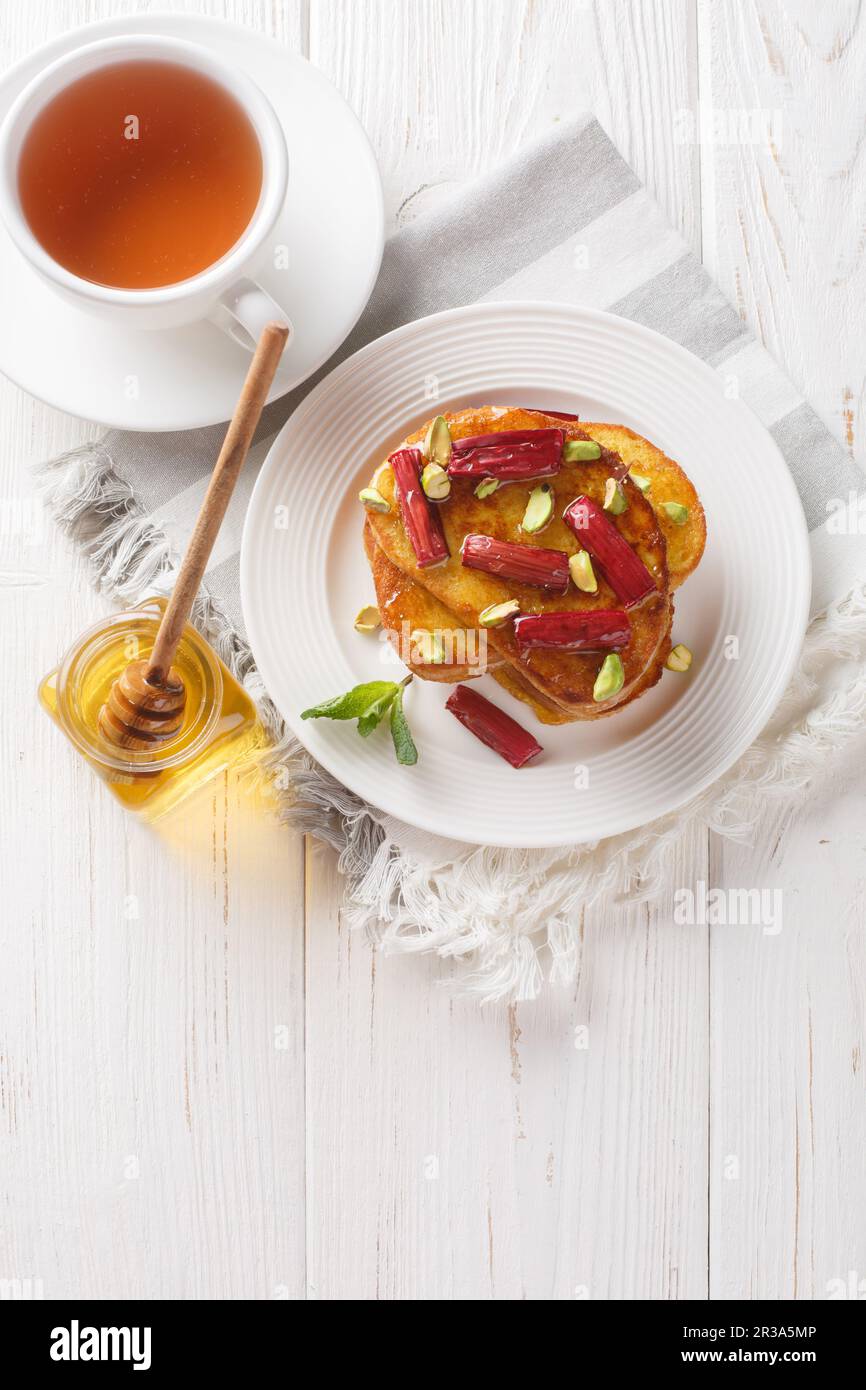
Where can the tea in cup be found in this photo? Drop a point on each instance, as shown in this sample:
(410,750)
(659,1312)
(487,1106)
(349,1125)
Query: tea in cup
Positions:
(142,177)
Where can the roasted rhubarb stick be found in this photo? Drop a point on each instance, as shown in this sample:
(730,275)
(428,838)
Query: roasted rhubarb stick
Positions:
(493,726)
(624,571)
(422,523)
(552,414)
(600,630)
(529,564)
(508,455)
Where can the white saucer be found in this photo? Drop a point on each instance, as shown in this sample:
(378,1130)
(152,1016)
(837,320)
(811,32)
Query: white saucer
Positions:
(333,227)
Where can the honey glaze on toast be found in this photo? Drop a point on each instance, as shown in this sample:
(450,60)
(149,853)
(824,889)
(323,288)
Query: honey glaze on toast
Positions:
(558,685)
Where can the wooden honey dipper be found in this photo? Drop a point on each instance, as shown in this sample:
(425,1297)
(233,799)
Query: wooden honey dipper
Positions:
(145,706)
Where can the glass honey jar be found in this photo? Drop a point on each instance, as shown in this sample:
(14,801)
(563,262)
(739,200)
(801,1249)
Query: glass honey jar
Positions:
(219,727)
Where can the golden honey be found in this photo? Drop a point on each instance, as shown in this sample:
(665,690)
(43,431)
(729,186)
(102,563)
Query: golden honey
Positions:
(219,727)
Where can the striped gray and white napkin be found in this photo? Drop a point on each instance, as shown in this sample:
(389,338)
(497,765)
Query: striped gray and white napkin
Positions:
(522,232)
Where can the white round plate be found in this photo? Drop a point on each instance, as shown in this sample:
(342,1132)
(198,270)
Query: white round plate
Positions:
(302,585)
(332,225)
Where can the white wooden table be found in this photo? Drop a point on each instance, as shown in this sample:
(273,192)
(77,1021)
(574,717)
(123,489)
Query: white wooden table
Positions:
(207,1087)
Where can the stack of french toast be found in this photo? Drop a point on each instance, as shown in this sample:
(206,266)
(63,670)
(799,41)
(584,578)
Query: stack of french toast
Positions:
(536,547)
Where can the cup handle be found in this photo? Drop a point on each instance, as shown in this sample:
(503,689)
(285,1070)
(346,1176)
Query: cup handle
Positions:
(244,309)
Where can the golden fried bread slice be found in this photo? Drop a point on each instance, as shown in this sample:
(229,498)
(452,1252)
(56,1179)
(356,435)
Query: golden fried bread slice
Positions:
(668,483)
(548,713)
(543,709)
(406,607)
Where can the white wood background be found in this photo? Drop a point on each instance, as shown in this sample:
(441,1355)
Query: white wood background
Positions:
(207,1087)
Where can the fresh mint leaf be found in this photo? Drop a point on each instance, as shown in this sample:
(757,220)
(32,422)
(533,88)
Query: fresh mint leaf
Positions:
(373,716)
(404,745)
(369,703)
(356,703)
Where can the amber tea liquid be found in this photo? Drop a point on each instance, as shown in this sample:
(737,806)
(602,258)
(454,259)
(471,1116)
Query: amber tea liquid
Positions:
(140,174)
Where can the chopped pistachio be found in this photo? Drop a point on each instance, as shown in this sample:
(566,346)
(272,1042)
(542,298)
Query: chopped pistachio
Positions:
(373,500)
(539,509)
(640,481)
(676,512)
(581,450)
(435,481)
(428,648)
(614,497)
(498,613)
(437,444)
(581,571)
(680,658)
(368,618)
(486,487)
(609,681)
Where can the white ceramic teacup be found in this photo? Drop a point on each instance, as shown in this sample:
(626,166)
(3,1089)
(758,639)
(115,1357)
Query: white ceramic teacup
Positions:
(223,291)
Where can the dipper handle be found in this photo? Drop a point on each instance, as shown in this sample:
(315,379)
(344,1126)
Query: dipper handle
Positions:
(235,447)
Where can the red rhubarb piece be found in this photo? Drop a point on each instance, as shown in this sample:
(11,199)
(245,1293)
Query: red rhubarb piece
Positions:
(623,569)
(529,564)
(597,630)
(509,455)
(554,414)
(493,726)
(420,518)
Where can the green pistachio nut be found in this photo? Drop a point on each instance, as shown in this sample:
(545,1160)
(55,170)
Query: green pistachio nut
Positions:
(427,647)
(609,681)
(498,613)
(614,497)
(539,509)
(581,450)
(581,571)
(373,500)
(368,618)
(680,658)
(435,482)
(437,443)
(676,512)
